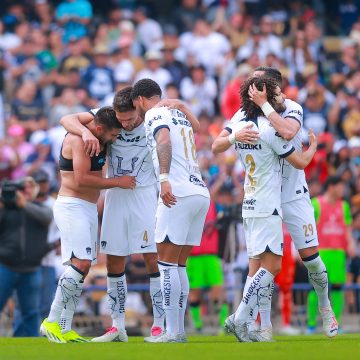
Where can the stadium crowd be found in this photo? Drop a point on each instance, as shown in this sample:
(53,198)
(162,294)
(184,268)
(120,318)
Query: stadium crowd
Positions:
(70,56)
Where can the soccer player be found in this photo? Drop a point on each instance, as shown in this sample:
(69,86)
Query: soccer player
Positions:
(128,223)
(75,214)
(262,196)
(183,204)
(333,219)
(298,214)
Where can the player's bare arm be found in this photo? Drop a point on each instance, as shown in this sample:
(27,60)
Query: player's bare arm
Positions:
(75,124)
(224,140)
(83,176)
(180,105)
(302,160)
(286,127)
(164,152)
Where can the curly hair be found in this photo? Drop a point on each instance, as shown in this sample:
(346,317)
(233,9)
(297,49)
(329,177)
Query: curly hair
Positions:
(107,118)
(251,110)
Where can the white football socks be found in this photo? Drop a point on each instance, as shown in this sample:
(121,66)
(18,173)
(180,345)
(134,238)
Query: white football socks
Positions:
(185,289)
(156,300)
(117,292)
(171,290)
(251,298)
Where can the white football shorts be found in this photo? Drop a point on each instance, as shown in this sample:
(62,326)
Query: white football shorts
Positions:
(77,221)
(183,223)
(298,215)
(264,233)
(128,223)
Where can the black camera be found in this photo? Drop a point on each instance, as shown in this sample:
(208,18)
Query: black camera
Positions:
(8,192)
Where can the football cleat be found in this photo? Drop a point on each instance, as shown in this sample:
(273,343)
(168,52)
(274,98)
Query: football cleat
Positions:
(112,334)
(262,335)
(52,331)
(156,331)
(182,338)
(164,338)
(330,325)
(73,336)
(239,330)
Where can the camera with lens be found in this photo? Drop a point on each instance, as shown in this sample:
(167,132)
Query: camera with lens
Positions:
(8,192)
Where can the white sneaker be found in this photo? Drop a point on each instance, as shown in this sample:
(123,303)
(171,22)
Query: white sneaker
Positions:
(156,331)
(289,330)
(165,338)
(330,324)
(112,334)
(182,338)
(262,335)
(240,331)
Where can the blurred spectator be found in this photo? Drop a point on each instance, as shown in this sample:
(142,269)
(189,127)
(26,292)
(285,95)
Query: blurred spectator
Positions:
(154,69)
(42,157)
(355,262)
(27,108)
(199,91)
(8,159)
(99,77)
(124,70)
(204,268)
(285,281)
(185,15)
(204,46)
(297,55)
(230,99)
(176,68)
(24,226)
(148,30)
(333,219)
(348,59)
(74,16)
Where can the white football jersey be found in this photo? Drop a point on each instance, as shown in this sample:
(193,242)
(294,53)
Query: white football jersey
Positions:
(293,180)
(129,155)
(262,164)
(184,175)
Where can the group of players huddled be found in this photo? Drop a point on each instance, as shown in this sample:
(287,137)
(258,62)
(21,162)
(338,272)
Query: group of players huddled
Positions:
(156,203)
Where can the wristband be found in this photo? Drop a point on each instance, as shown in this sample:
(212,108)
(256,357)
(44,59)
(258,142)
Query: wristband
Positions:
(267,109)
(231,138)
(163,177)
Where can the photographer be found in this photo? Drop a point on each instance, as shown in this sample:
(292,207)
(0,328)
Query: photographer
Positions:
(24,226)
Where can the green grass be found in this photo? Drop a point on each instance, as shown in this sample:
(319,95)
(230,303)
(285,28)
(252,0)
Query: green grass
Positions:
(199,347)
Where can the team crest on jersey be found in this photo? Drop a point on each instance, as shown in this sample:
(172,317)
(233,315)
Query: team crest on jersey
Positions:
(88,250)
(103,244)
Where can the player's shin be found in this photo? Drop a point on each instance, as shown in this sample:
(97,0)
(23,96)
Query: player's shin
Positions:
(261,280)
(265,306)
(68,292)
(319,278)
(71,285)
(117,293)
(171,290)
(185,289)
(157,301)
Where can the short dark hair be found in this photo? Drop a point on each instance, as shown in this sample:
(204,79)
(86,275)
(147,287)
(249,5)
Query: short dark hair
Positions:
(271,73)
(106,117)
(251,110)
(146,88)
(122,100)
(332,180)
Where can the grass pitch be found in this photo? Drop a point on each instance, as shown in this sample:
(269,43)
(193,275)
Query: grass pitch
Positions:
(199,347)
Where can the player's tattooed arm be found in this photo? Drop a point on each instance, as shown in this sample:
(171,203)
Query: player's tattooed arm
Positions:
(164,150)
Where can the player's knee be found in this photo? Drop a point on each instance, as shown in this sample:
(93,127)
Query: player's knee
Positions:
(84,266)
